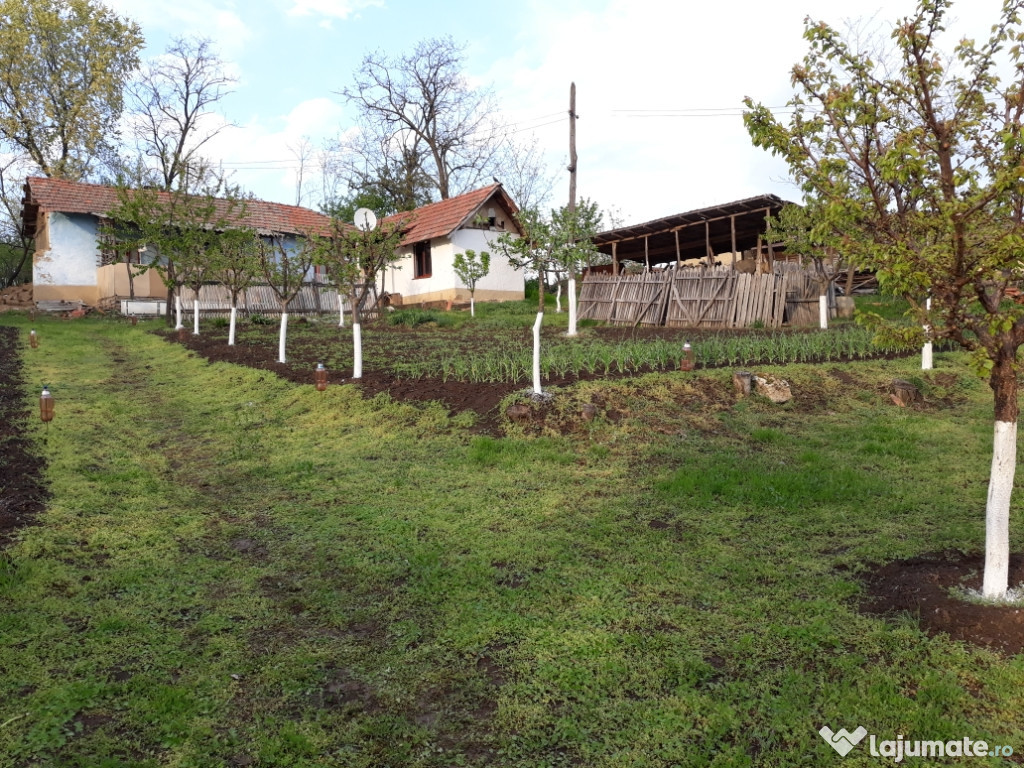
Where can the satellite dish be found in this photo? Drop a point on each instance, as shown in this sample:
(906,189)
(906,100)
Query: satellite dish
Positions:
(365,219)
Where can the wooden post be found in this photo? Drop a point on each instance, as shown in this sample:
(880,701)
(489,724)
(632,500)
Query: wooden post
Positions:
(679,256)
(760,256)
(647,258)
(572,206)
(615,259)
(732,226)
(741,381)
(707,243)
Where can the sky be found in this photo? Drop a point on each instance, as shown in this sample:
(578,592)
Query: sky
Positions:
(660,85)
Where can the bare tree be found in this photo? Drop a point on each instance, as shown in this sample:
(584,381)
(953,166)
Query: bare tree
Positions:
(379,172)
(524,173)
(423,104)
(305,155)
(173,95)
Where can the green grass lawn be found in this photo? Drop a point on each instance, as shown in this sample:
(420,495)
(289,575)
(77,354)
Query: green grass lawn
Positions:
(234,570)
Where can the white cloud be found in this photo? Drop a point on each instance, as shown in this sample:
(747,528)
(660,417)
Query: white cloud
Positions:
(215,19)
(262,154)
(338,9)
(651,55)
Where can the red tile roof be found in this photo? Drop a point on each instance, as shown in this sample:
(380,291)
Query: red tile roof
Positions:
(75,197)
(443,218)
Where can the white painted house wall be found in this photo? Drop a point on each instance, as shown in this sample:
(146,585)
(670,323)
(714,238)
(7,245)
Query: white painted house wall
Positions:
(502,276)
(502,281)
(69,263)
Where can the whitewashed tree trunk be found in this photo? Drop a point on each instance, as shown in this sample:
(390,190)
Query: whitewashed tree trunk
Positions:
(558,297)
(472,306)
(997,510)
(926,351)
(357,351)
(177,312)
(231,326)
(341,310)
(195,316)
(572,307)
(282,338)
(536,353)
(823,310)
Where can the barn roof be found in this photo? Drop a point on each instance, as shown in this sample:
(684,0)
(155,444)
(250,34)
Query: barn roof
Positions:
(46,194)
(695,231)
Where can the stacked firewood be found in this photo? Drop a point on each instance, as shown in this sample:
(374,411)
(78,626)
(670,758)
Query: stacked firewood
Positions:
(16,297)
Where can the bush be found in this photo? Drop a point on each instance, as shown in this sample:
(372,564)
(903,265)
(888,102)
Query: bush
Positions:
(259,319)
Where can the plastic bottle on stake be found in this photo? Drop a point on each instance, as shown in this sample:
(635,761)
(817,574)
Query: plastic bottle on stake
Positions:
(46,404)
(686,363)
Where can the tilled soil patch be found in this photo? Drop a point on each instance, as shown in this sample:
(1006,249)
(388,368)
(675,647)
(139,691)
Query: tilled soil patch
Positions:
(928,588)
(22,494)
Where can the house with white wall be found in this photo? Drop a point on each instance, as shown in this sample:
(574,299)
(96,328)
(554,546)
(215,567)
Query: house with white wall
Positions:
(434,233)
(71,265)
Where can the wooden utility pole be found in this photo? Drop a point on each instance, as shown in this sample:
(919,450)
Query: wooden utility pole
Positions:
(572,148)
(572,207)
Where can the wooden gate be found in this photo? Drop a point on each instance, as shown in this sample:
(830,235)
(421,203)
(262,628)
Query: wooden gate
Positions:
(638,300)
(701,298)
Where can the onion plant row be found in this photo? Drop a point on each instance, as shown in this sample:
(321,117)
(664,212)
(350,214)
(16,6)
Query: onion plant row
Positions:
(511,361)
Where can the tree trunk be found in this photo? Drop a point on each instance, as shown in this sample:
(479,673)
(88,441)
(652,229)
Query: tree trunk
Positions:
(572,305)
(536,353)
(540,289)
(823,303)
(195,313)
(1003,381)
(357,335)
(177,310)
(231,326)
(927,361)
(283,336)
(472,305)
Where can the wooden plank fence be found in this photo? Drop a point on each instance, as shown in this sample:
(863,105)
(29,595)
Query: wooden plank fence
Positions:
(714,297)
(312,299)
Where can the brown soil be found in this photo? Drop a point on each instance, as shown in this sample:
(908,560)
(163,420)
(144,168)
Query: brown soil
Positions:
(926,588)
(22,494)
(457,396)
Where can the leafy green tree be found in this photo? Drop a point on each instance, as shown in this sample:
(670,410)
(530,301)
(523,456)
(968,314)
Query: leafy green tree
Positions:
(63,69)
(284,262)
(471,268)
(563,242)
(573,248)
(916,162)
(353,259)
(237,266)
(180,230)
(530,251)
